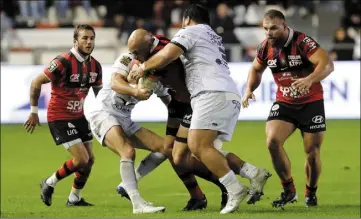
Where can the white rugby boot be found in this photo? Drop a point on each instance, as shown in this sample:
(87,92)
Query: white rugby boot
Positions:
(257,184)
(234,200)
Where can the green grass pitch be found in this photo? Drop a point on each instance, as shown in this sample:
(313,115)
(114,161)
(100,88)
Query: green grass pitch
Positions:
(26,159)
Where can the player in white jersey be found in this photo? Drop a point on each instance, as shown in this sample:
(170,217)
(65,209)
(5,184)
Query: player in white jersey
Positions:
(215,99)
(110,121)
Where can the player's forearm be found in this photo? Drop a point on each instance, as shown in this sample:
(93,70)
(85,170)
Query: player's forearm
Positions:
(157,61)
(121,86)
(254,80)
(35,91)
(322,70)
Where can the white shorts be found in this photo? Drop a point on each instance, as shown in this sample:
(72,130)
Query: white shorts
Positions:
(217,111)
(102,121)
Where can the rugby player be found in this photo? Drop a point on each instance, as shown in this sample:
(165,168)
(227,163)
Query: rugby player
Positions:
(173,76)
(71,75)
(215,99)
(298,65)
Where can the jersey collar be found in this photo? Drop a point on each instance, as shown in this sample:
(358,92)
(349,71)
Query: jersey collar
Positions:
(155,44)
(77,55)
(290,36)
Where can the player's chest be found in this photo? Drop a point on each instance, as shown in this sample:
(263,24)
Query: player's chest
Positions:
(80,76)
(285,59)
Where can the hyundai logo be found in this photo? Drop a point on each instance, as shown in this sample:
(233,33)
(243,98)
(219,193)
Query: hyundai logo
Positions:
(317,119)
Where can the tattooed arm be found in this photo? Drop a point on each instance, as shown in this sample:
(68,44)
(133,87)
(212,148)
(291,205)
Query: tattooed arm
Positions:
(35,91)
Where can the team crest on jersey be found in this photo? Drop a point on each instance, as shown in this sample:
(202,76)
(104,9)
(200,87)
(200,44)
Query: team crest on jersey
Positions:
(272,63)
(125,60)
(93,77)
(52,66)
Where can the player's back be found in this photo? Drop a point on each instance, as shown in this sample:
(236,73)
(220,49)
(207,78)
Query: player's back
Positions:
(173,75)
(204,60)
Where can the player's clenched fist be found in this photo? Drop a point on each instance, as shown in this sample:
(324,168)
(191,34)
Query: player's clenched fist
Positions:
(247,95)
(31,123)
(142,93)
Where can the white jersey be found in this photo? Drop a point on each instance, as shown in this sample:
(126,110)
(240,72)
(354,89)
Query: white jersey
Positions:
(114,103)
(204,60)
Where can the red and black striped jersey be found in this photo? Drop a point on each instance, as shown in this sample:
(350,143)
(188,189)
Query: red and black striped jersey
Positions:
(71,77)
(172,75)
(289,63)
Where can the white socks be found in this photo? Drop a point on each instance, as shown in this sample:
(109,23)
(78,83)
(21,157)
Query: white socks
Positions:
(248,171)
(74,195)
(148,164)
(51,181)
(231,182)
(129,181)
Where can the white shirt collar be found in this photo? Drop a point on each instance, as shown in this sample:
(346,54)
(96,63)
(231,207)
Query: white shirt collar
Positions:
(290,36)
(77,55)
(155,43)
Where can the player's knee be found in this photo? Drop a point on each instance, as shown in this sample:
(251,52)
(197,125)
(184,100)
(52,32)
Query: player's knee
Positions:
(81,161)
(313,151)
(177,158)
(127,152)
(273,143)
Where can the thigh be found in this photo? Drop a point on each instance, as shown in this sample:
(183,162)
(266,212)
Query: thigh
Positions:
(216,111)
(312,117)
(277,131)
(65,132)
(101,123)
(180,147)
(116,140)
(201,137)
(147,140)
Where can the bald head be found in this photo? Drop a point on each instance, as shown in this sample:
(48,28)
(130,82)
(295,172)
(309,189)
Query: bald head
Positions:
(140,43)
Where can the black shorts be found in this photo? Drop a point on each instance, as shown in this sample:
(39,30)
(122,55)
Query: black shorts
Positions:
(309,117)
(65,131)
(181,112)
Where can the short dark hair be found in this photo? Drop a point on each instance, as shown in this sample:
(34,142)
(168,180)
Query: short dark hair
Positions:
(274,14)
(197,13)
(81,27)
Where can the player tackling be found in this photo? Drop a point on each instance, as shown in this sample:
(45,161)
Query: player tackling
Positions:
(298,65)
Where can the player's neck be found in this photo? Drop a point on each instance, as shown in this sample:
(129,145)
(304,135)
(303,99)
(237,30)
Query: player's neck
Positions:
(84,56)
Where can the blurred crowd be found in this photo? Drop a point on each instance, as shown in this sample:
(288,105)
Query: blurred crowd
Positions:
(159,15)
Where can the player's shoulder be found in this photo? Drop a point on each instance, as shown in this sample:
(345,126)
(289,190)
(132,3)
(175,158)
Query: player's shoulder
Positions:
(301,37)
(262,46)
(95,60)
(124,59)
(160,37)
(66,56)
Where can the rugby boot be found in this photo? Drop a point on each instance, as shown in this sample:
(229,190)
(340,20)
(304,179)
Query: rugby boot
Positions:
(234,200)
(286,197)
(311,200)
(257,184)
(81,202)
(196,204)
(46,192)
(121,191)
(224,198)
(145,208)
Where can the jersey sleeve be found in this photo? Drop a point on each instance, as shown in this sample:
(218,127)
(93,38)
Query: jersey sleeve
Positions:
(307,45)
(99,80)
(185,38)
(55,68)
(160,90)
(260,54)
(122,64)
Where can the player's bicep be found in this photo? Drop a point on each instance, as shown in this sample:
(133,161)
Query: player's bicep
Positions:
(41,79)
(320,55)
(258,66)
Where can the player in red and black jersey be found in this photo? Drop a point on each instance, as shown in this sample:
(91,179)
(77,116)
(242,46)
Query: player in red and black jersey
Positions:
(71,75)
(298,65)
